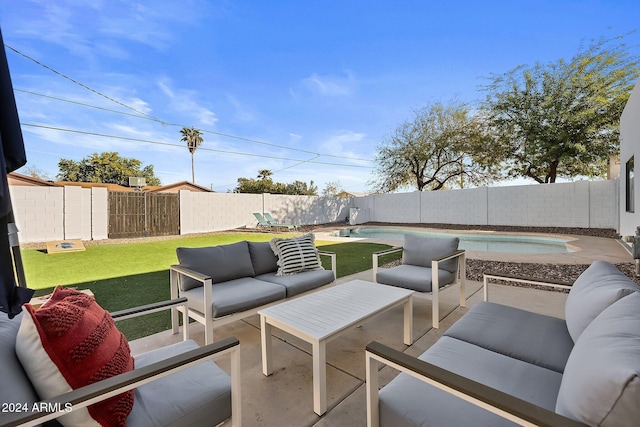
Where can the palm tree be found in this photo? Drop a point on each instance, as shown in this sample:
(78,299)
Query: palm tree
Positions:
(193,138)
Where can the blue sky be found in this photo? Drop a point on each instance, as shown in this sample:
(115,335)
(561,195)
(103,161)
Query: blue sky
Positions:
(307,89)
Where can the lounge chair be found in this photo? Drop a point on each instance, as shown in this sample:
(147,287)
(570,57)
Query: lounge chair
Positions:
(428,264)
(275,223)
(262,223)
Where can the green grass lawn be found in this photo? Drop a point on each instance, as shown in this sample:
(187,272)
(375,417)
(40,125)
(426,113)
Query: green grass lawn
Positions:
(124,276)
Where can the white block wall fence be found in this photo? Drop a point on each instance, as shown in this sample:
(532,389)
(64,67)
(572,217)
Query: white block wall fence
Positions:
(56,213)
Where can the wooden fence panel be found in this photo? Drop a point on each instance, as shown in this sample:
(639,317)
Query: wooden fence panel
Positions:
(138,214)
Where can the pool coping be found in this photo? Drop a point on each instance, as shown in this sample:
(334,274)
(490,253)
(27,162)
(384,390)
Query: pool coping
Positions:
(586,248)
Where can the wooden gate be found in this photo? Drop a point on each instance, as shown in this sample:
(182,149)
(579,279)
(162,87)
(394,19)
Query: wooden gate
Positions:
(138,214)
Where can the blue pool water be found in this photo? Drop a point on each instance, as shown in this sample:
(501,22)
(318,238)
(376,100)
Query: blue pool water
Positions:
(478,241)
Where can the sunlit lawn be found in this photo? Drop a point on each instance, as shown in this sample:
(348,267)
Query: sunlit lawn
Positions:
(128,275)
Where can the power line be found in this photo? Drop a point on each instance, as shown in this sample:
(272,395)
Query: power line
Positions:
(146,116)
(201,148)
(64,76)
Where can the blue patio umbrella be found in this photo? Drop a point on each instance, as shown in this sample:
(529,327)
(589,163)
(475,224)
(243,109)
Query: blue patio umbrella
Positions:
(12,293)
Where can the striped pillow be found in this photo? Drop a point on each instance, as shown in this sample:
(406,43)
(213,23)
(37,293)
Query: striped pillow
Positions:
(296,254)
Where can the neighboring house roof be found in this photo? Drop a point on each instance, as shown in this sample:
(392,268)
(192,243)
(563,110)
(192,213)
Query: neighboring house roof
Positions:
(350,194)
(109,187)
(24,180)
(174,188)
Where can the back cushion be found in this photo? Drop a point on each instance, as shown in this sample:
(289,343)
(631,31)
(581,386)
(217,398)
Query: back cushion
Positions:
(421,251)
(597,288)
(262,258)
(221,263)
(601,384)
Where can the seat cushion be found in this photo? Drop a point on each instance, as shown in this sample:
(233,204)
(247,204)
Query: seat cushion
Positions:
(595,289)
(21,391)
(531,337)
(296,254)
(71,342)
(196,396)
(421,251)
(407,401)
(221,263)
(601,383)
(262,258)
(298,283)
(236,295)
(413,277)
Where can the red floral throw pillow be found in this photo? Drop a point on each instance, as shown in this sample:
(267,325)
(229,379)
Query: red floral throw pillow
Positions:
(68,343)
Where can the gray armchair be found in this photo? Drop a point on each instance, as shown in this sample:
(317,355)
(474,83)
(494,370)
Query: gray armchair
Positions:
(176,385)
(428,264)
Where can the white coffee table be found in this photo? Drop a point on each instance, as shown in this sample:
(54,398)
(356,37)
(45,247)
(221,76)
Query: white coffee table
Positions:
(324,315)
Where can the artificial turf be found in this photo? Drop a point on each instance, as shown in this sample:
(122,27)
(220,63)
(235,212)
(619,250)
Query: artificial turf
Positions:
(129,275)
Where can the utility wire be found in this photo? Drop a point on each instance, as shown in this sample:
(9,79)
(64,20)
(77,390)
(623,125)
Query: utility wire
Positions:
(146,116)
(200,148)
(64,76)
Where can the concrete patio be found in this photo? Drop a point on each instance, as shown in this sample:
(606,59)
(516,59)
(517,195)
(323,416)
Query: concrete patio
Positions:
(285,398)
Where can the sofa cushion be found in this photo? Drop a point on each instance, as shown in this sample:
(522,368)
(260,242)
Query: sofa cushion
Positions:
(71,342)
(208,401)
(236,295)
(262,258)
(21,391)
(407,401)
(421,251)
(296,254)
(298,283)
(601,384)
(413,277)
(531,337)
(221,263)
(595,289)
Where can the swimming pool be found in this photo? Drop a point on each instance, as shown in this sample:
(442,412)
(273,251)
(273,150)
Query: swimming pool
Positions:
(472,241)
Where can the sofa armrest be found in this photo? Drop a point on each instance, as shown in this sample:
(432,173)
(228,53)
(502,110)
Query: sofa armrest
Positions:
(333,261)
(152,308)
(378,254)
(101,390)
(500,403)
(556,284)
(175,273)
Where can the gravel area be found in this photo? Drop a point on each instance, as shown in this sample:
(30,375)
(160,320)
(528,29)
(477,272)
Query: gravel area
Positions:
(559,272)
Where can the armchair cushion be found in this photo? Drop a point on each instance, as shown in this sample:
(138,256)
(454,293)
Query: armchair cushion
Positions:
(413,277)
(71,342)
(595,289)
(166,401)
(601,382)
(421,251)
(221,263)
(296,254)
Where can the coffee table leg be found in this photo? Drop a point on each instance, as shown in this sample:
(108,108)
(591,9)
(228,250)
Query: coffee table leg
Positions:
(319,377)
(408,321)
(265,334)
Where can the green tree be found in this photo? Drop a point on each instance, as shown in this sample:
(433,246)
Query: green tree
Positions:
(264,184)
(433,151)
(332,188)
(193,138)
(560,119)
(107,167)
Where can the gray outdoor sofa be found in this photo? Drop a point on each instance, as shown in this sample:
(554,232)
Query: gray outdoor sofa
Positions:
(176,385)
(500,365)
(230,282)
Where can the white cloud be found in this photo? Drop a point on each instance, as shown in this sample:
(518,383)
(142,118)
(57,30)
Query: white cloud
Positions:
(330,85)
(186,102)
